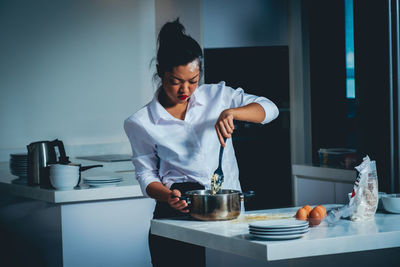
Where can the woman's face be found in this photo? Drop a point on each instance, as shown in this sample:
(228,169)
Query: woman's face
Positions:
(181,82)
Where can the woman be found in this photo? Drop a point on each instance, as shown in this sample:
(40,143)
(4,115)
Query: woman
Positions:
(176,137)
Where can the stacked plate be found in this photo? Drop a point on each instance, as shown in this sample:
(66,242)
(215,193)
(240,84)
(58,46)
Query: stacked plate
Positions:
(19,165)
(278,229)
(102,181)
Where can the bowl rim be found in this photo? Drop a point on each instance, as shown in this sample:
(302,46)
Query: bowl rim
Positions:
(391,196)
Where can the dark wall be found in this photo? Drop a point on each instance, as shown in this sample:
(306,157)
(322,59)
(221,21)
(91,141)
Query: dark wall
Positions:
(262,151)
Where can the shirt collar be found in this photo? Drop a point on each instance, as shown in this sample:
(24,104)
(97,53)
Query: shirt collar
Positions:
(158,112)
(196,97)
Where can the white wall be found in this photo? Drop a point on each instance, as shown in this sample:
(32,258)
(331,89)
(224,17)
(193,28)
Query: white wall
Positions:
(73,70)
(188,11)
(238,23)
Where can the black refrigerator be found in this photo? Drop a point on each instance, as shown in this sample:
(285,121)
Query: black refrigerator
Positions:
(262,151)
(377,61)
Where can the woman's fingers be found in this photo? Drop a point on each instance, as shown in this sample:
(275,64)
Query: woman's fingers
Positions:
(228,127)
(176,203)
(180,205)
(224,130)
(230,121)
(176,193)
(224,126)
(220,137)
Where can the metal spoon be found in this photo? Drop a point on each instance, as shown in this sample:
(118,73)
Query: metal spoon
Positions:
(218,177)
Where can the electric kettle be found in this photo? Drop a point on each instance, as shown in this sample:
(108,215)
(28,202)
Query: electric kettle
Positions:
(40,155)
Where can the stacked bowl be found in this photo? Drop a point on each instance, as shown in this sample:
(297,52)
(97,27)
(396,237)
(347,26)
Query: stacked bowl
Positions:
(19,165)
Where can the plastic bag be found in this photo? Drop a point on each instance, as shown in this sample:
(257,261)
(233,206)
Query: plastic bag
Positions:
(364,198)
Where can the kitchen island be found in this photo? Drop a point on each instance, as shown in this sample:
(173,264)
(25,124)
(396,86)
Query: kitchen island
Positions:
(109,226)
(84,226)
(346,243)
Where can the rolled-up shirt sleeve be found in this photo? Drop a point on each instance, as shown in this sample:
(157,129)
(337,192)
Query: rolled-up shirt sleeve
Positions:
(144,156)
(240,98)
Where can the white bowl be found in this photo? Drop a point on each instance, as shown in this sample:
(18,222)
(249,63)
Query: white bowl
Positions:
(64,172)
(63,167)
(64,181)
(391,203)
(380,204)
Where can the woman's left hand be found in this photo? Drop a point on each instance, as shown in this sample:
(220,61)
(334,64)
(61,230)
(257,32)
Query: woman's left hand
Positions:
(224,125)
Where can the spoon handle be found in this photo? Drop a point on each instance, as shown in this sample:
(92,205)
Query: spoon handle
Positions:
(221,151)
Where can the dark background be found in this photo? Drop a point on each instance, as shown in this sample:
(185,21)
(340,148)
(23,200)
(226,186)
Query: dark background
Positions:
(363,123)
(262,151)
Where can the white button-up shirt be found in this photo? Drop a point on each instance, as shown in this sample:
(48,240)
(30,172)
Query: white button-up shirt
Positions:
(169,150)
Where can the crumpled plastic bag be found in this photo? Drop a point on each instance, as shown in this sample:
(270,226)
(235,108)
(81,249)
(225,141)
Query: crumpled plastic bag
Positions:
(364,197)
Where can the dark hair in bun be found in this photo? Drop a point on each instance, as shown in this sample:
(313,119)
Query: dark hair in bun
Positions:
(175,48)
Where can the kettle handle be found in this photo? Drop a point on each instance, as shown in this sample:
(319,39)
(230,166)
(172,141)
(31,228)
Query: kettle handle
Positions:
(63,156)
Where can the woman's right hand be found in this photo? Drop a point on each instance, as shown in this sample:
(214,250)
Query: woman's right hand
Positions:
(224,125)
(174,202)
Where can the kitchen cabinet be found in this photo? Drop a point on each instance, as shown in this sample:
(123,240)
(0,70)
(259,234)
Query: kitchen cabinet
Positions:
(82,227)
(315,185)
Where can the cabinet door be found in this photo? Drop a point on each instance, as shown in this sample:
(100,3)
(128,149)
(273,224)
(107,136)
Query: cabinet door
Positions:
(314,192)
(341,192)
(107,233)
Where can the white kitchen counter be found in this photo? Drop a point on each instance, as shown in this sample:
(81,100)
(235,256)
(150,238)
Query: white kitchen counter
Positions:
(232,236)
(129,188)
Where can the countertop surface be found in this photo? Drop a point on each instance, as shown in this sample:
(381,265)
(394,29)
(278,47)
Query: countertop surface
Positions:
(233,236)
(128,188)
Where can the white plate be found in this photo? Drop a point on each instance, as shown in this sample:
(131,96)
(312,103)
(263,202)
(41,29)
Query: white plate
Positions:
(19,173)
(19,155)
(263,230)
(279,233)
(102,182)
(18,163)
(103,185)
(20,180)
(275,224)
(102,178)
(277,237)
(19,169)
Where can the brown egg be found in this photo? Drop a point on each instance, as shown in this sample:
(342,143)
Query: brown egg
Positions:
(308,208)
(301,214)
(315,217)
(322,210)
